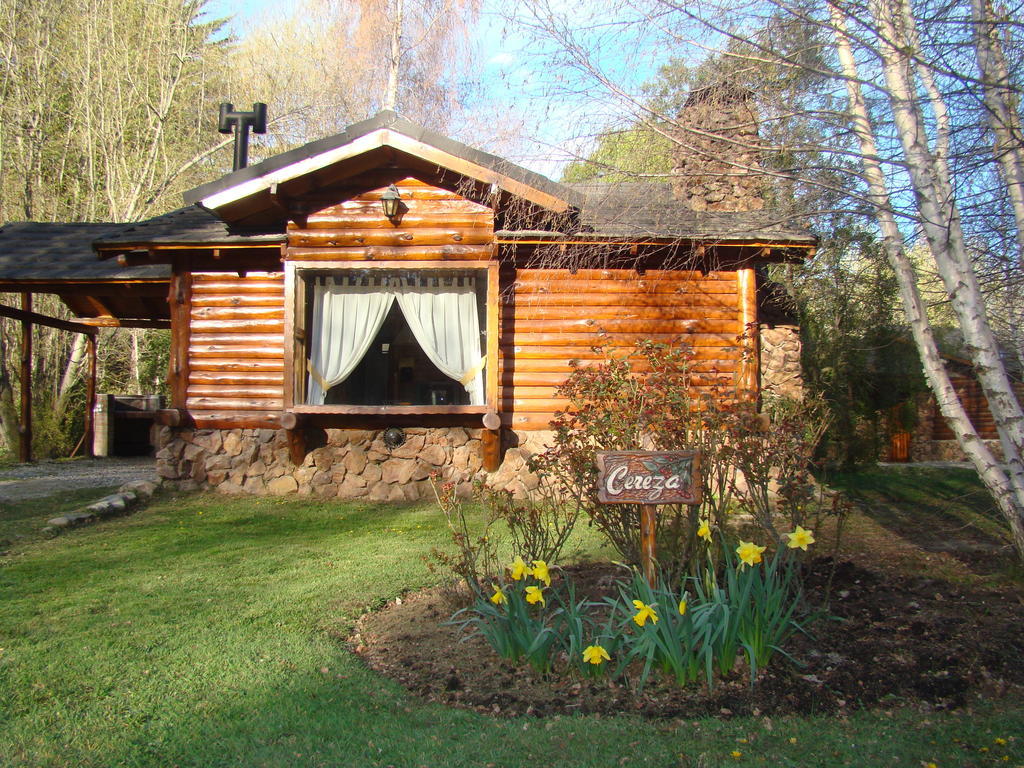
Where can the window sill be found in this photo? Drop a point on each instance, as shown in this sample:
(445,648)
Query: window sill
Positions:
(386,410)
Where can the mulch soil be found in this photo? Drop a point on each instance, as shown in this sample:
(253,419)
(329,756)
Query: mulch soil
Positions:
(890,639)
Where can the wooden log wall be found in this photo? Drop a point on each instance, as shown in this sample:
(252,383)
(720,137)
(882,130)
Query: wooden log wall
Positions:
(434,224)
(977,409)
(236,349)
(553,316)
(235,352)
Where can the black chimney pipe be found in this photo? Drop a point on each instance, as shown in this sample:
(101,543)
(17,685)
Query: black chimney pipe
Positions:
(241,122)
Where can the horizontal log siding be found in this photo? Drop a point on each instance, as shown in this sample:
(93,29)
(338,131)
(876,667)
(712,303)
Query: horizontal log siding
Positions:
(436,225)
(550,317)
(236,349)
(977,409)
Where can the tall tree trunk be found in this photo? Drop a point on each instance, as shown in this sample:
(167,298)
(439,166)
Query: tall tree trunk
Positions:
(995,478)
(72,373)
(8,405)
(395,57)
(1003,119)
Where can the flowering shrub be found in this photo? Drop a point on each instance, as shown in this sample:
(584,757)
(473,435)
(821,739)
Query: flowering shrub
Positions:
(773,453)
(757,463)
(613,409)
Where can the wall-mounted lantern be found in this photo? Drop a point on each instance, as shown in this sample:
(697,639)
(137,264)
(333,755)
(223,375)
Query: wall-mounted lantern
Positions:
(391,202)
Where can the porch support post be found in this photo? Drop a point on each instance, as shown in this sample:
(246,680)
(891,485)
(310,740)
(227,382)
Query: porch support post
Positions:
(749,373)
(90,397)
(25,427)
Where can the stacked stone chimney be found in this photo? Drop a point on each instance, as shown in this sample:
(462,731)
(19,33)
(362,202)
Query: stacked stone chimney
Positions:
(718,156)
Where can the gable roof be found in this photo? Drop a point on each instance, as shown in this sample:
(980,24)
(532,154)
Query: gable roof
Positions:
(236,195)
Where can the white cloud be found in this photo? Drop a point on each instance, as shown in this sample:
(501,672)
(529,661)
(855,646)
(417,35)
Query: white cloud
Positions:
(502,59)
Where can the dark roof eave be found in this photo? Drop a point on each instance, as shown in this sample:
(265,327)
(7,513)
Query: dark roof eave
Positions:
(754,239)
(108,249)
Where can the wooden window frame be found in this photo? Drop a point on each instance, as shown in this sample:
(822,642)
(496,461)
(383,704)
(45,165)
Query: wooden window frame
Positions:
(294,348)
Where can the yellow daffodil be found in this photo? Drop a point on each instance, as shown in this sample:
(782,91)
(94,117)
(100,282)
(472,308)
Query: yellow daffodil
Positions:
(519,569)
(643,613)
(737,754)
(682,607)
(540,572)
(498,597)
(535,595)
(800,538)
(749,552)
(704,531)
(999,741)
(595,654)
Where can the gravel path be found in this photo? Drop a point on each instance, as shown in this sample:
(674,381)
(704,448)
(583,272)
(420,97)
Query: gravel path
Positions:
(28,481)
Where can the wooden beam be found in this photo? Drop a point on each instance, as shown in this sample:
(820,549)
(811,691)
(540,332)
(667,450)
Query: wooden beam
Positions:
(291,420)
(291,309)
(296,446)
(490,440)
(180,300)
(25,427)
(30,317)
(389,410)
(122,322)
(172,417)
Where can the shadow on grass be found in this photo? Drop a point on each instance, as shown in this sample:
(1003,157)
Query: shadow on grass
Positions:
(943,510)
(23,520)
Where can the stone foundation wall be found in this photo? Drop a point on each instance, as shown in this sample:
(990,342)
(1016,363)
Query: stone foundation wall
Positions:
(781,372)
(947,450)
(350,464)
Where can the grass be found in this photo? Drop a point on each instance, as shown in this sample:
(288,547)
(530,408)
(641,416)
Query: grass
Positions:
(207,631)
(939,509)
(22,521)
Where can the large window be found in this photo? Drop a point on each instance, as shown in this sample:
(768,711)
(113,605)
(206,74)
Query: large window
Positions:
(392,338)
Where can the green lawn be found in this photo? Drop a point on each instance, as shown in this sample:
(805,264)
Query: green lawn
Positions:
(205,631)
(23,520)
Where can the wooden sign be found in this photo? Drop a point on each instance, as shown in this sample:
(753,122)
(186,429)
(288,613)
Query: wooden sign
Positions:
(648,477)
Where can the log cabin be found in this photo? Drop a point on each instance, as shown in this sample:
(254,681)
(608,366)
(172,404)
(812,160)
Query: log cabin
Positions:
(351,316)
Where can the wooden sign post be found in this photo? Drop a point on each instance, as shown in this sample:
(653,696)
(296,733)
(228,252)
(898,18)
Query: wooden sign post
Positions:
(648,478)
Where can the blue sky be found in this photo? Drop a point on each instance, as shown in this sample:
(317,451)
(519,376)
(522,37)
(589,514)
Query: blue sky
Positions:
(551,107)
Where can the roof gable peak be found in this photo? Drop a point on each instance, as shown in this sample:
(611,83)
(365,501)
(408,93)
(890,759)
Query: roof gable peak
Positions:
(382,140)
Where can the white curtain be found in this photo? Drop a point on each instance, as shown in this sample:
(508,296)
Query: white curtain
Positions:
(442,314)
(347,315)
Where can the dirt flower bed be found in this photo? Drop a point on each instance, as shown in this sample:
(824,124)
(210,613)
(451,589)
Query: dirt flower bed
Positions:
(891,640)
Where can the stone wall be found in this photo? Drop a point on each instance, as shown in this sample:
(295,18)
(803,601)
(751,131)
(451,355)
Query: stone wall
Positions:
(718,153)
(781,372)
(350,463)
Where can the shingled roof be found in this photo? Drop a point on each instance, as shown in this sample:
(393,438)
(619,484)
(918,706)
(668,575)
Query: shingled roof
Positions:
(635,210)
(45,252)
(185,226)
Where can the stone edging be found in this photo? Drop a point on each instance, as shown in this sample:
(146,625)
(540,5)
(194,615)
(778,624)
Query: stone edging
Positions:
(126,499)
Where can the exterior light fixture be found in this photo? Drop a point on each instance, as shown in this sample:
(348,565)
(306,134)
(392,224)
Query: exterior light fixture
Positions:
(394,437)
(391,201)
